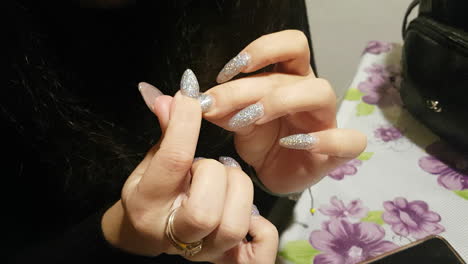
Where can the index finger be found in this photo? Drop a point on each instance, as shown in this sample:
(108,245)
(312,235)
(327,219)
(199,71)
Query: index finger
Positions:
(168,169)
(288,49)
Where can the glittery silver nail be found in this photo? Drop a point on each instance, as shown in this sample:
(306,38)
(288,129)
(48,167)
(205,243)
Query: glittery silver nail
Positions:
(255,210)
(246,116)
(298,141)
(233,67)
(189,84)
(228,161)
(206,101)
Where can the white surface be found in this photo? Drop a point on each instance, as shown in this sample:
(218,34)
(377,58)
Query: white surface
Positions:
(340,30)
(393,170)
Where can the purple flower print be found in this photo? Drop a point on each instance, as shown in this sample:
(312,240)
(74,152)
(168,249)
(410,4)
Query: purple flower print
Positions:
(377,47)
(387,134)
(379,90)
(411,218)
(392,73)
(448,164)
(348,168)
(337,209)
(342,242)
(378,69)
(448,177)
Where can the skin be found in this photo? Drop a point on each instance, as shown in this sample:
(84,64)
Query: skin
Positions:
(295,101)
(216,205)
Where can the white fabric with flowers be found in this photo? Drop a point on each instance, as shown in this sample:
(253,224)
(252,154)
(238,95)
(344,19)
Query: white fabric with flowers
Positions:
(406,185)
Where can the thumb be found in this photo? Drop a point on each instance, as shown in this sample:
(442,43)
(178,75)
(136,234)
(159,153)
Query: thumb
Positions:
(158,103)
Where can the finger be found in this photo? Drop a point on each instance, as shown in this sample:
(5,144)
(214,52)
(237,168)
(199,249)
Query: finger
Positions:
(201,213)
(162,109)
(338,142)
(159,104)
(235,95)
(149,94)
(170,164)
(264,245)
(289,49)
(235,221)
(307,95)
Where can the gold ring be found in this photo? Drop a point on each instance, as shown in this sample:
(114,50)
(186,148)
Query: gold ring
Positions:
(189,249)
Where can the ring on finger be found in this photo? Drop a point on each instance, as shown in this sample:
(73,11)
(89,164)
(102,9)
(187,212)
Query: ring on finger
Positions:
(189,249)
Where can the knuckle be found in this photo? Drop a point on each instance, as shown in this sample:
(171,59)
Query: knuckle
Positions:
(300,40)
(299,36)
(326,89)
(200,220)
(246,182)
(233,233)
(143,223)
(175,159)
(269,230)
(210,165)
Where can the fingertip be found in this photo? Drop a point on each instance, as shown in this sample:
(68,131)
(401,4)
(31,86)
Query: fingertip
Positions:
(149,93)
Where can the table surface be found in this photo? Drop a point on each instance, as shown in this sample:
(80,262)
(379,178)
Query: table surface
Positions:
(401,189)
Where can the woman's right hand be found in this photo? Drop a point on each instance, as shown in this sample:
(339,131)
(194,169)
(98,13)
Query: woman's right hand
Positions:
(214,201)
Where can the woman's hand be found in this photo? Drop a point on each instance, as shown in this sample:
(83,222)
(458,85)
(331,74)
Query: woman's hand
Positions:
(284,121)
(213,200)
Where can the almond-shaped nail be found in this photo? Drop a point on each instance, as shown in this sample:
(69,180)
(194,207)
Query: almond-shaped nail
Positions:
(228,161)
(149,94)
(255,211)
(189,84)
(206,101)
(299,141)
(233,67)
(246,116)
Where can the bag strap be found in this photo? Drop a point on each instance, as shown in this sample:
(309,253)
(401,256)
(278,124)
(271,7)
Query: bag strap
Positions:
(408,12)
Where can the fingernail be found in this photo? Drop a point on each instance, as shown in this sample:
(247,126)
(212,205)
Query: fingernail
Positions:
(233,67)
(206,101)
(255,210)
(298,141)
(246,116)
(189,84)
(197,159)
(149,94)
(230,162)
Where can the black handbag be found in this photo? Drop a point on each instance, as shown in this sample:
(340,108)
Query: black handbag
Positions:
(434,86)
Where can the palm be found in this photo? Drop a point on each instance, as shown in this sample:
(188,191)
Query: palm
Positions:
(282,169)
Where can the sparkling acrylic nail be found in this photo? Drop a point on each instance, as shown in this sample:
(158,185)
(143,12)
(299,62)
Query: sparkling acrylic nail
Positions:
(206,101)
(228,161)
(149,94)
(189,84)
(298,141)
(233,67)
(246,116)
(255,210)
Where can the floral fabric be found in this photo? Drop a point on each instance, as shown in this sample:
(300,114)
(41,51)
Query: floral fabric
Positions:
(407,184)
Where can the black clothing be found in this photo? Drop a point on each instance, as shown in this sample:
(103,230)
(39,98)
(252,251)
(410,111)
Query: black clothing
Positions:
(74,123)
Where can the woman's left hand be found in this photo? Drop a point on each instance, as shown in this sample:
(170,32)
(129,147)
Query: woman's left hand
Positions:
(284,120)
